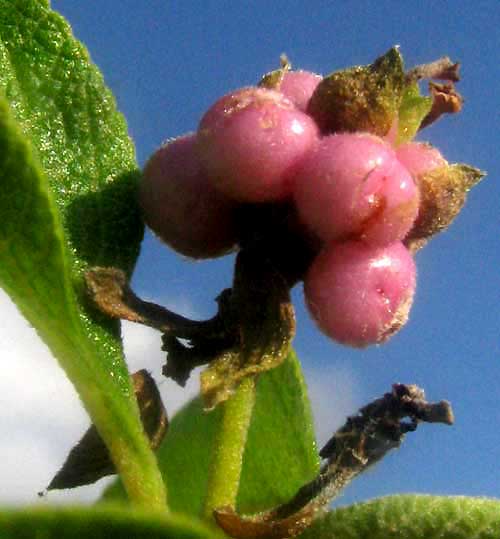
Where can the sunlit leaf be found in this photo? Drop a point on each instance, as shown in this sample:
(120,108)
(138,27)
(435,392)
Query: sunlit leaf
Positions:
(67,198)
(412,517)
(99,523)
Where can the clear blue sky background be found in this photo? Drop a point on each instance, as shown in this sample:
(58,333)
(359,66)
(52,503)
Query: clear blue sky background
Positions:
(167,61)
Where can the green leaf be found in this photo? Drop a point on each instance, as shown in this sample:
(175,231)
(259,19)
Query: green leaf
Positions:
(99,523)
(280,455)
(68,178)
(412,517)
(413,109)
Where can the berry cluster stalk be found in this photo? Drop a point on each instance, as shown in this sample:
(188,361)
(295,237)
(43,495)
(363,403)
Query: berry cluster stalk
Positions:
(227,459)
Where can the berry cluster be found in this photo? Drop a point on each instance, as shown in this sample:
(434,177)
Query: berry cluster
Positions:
(354,192)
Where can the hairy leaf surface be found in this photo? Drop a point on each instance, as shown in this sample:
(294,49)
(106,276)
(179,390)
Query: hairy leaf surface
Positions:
(412,517)
(67,198)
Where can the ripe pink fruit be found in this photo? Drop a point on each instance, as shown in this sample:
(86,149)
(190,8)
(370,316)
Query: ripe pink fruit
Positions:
(248,141)
(358,294)
(298,87)
(181,206)
(351,185)
(419,158)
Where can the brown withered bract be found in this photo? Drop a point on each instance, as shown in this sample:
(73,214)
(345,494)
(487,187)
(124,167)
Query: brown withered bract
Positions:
(445,100)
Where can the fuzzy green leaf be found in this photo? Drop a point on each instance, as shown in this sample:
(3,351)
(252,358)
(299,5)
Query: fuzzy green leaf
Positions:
(98,523)
(412,517)
(280,454)
(68,177)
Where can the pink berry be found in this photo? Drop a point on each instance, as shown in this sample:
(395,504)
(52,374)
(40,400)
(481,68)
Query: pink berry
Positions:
(181,206)
(419,158)
(358,294)
(351,186)
(298,87)
(249,140)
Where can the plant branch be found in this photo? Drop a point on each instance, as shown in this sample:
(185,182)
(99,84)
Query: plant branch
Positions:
(364,440)
(251,332)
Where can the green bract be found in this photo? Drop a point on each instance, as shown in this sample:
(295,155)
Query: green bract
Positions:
(361,98)
(412,110)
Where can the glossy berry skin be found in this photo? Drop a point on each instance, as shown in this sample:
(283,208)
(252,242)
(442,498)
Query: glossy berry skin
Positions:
(351,186)
(180,205)
(420,158)
(249,140)
(360,295)
(298,86)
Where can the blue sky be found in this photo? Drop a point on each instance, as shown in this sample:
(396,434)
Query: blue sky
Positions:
(166,62)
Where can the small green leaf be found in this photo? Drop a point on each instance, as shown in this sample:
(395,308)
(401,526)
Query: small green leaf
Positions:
(361,98)
(412,517)
(273,79)
(104,522)
(280,455)
(413,109)
(59,98)
(67,198)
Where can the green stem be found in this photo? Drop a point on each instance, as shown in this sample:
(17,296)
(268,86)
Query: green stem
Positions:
(227,458)
(143,489)
(128,446)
